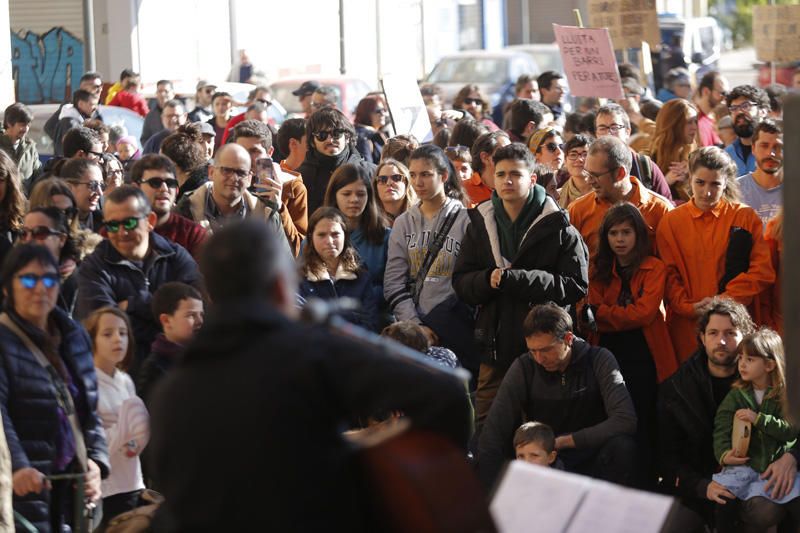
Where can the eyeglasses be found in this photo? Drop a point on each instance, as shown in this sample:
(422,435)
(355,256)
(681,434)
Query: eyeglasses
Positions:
(574,156)
(92,185)
(39,233)
(473,101)
(613,128)
(157,181)
(554,146)
(264,101)
(129,224)
(322,136)
(456,149)
(29,281)
(98,155)
(240,174)
(380,111)
(744,107)
(114,172)
(383,180)
(598,176)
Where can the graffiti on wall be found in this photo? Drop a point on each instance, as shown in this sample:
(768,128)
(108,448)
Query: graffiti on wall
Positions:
(47,67)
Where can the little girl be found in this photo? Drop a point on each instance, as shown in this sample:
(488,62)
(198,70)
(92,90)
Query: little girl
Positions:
(626,289)
(123,414)
(758,397)
(331,267)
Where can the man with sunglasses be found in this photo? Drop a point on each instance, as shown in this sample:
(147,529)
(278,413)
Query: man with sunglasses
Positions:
(154,174)
(748,105)
(259,95)
(131,264)
(225,198)
(85,180)
(575,388)
(608,171)
(710,93)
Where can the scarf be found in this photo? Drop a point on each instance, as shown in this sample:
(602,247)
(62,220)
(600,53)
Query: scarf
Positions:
(569,193)
(511,233)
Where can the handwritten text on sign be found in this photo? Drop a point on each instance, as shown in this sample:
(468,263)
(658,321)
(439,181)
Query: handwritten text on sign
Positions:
(589,61)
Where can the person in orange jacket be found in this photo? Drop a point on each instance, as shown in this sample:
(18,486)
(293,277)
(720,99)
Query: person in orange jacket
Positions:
(480,186)
(711,245)
(626,289)
(608,171)
(771,305)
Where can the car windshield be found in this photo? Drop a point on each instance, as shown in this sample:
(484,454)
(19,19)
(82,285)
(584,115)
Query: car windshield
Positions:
(667,34)
(470,70)
(547,60)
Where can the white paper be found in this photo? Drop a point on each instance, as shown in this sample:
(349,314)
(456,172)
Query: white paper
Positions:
(609,508)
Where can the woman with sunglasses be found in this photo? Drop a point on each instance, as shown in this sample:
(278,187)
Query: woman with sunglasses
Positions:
(12,203)
(331,144)
(370,120)
(548,148)
(47,226)
(48,393)
(350,191)
(470,100)
(392,188)
(423,247)
(674,138)
(331,267)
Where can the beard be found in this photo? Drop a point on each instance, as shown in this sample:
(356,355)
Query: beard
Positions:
(770,170)
(744,129)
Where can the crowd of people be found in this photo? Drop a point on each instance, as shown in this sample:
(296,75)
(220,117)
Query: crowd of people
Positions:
(610,278)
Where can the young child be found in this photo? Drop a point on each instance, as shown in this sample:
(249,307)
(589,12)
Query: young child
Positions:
(626,289)
(535,443)
(461,159)
(758,397)
(129,96)
(124,416)
(413,336)
(179,309)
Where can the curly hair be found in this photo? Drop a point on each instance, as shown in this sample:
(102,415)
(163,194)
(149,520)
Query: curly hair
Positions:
(329,118)
(184,151)
(753,94)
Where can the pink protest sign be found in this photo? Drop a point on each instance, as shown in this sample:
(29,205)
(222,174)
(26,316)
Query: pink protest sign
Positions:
(589,62)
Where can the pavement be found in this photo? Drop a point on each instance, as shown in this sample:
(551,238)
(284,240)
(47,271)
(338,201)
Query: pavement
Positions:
(737,66)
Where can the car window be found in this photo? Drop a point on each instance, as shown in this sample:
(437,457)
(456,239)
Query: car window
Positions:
(470,70)
(548,60)
(707,41)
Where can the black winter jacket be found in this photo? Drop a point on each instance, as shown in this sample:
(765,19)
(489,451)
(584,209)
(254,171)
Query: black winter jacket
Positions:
(29,409)
(107,278)
(551,265)
(317,169)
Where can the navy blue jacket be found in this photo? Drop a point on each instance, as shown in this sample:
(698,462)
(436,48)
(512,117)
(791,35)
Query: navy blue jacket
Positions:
(30,410)
(107,278)
(356,285)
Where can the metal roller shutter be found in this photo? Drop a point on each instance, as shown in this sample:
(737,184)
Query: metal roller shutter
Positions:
(39,16)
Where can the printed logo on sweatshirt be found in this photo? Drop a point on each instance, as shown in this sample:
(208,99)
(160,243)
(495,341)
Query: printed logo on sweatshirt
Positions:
(418,244)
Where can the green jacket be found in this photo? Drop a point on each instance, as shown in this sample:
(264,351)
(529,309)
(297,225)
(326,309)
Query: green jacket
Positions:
(772,435)
(25,156)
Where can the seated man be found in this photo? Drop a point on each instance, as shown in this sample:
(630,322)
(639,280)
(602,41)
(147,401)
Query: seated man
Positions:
(576,389)
(688,403)
(128,267)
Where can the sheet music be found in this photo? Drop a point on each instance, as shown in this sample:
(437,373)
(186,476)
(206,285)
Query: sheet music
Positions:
(609,508)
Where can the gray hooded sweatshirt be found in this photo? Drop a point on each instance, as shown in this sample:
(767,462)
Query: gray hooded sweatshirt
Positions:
(411,236)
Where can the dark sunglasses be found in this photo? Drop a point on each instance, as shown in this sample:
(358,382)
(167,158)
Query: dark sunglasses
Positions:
(322,136)
(380,111)
(39,233)
(470,101)
(156,182)
(130,224)
(397,178)
(29,281)
(553,146)
(93,186)
(264,101)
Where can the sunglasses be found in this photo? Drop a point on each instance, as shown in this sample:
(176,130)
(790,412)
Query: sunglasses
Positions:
(380,111)
(264,101)
(473,101)
(130,224)
(322,136)
(39,233)
(554,146)
(93,186)
(29,281)
(156,182)
(397,178)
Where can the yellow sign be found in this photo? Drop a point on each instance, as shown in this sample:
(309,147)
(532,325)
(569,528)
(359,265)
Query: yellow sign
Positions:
(628,21)
(775,32)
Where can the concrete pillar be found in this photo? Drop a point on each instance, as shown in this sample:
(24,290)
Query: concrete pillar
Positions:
(6,80)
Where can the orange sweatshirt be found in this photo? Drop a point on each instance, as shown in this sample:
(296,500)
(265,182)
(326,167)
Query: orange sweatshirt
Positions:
(771,305)
(692,244)
(647,311)
(476,189)
(587,212)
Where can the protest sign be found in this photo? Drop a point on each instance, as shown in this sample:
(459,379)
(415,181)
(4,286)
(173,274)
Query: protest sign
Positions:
(589,62)
(406,107)
(628,21)
(775,32)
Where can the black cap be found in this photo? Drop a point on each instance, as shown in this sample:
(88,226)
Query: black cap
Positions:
(307,88)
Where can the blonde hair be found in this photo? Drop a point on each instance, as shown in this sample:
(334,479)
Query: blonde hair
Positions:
(766,344)
(92,325)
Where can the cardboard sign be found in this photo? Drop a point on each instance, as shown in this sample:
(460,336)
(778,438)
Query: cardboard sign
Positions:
(628,21)
(406,107)
(589,62)
(775,32)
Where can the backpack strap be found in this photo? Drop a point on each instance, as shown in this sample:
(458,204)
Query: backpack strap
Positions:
(645,170)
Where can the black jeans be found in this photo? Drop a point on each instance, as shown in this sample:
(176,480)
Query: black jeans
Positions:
(614,461)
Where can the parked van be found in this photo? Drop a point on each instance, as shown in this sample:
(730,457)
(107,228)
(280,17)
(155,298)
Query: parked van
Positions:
(695,43)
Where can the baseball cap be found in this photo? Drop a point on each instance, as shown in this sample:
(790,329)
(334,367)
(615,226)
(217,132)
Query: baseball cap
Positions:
(206,128)
(202,84)
(307,88)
